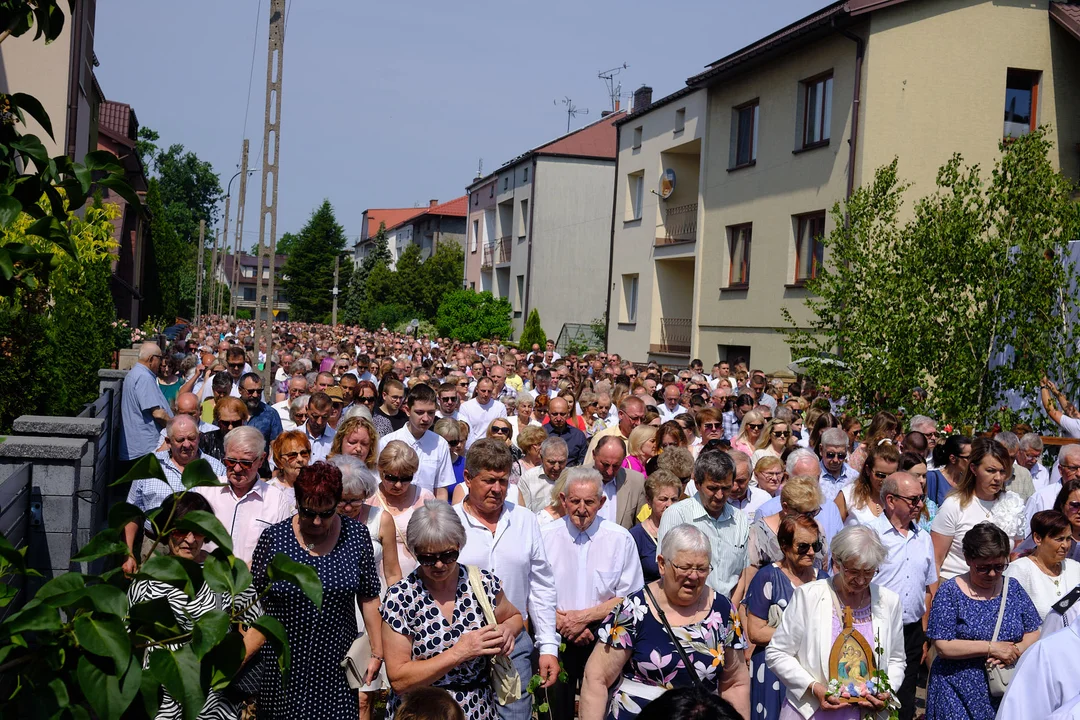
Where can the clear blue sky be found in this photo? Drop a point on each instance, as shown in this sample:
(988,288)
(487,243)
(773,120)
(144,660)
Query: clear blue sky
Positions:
(393,104)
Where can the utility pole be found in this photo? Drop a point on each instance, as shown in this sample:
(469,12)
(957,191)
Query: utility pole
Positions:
(213,305)
(271,134)
(199,274)
(239,246)
(333,319)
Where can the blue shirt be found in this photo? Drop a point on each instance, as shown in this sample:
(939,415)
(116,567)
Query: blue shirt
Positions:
(267,421)
(646,548)
(828,518)
(909,567)
(576,443)
(937,487)
(141,395)
(831,485)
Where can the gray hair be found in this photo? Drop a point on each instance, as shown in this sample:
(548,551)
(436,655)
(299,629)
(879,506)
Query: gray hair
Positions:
(784,414)
(356,479)
(357,409)
(891,484)
(245,437)
(297,405)
(715,465)
(798,454)
(738,456)
(1031,441)
(687,538)
(922,421)
(581,475)
(434,525)
(1008,440)
(148,350)
(834,437)
(857,546)
(1069,451)
(554,443)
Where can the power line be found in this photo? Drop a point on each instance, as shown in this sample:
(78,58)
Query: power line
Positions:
(251,72)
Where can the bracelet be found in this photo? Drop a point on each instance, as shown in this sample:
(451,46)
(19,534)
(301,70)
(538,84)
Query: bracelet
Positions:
(377,657)
(988,644)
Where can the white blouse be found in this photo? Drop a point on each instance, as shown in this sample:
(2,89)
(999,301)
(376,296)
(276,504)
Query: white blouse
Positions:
(1043,589)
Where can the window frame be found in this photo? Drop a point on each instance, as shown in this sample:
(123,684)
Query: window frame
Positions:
(755,122)
(823,78)
(744,263)
(631,291)
(635,196)
(817,249)
(638,133)
(680,120)
(1033,121)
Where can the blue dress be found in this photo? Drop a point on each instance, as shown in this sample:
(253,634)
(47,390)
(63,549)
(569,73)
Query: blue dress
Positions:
(957,688)
(459,477)
(770,587)
(654,661)
(646,548)
(937,487)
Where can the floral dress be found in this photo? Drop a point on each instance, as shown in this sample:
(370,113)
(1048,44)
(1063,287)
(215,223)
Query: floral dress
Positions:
(655,665)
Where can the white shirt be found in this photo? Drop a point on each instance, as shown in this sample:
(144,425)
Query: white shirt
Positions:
(436,470)
(479,417)
(608,510)
(552,393)
(1040,587)
(755,498)
(1043,499)
(320,446)
(1069,426)
(515,554)
(909,567)
(1040,476)
(535,487)
(1045,679)
(591,567)
(666,414)
(954,522)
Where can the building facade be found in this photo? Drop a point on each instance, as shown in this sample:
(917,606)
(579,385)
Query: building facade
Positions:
(246,290)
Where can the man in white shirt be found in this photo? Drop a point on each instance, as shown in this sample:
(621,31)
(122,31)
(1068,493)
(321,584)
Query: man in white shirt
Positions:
(1045,679)
(481,411)
(671,407)
(1069,466)
(595,565)
(435,473)
(505,539)
(1030,456)
(743,495)
(297,387)
(319,433)
(536,483)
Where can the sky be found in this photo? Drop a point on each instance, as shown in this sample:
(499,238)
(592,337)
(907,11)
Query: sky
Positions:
(391,104)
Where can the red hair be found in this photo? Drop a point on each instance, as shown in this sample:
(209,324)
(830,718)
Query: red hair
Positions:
(319,484)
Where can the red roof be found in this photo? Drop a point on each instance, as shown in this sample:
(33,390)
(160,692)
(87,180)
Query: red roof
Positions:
(595,140)
(390,216)
(458,207)
(1067,16)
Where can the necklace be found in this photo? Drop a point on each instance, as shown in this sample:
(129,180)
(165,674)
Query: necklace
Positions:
(1046,570)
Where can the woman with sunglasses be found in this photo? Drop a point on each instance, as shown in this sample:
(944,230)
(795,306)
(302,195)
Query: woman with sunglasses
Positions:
(962,622)
(859,502)
(397,495)
(501,430)
(449,430)
(356,435)
(291,452)
(750,432)
(950,464)
(798,496)
(774,440)
(915,464)
(339,549)
(669,435)
(366,394)
(766,599)
(229,413)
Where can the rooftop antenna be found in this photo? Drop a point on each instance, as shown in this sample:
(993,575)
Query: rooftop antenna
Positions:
(572,110)
(480,169)
(614,90)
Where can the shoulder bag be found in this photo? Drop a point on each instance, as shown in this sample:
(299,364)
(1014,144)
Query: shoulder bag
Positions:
(505,680)
(998,678)
(675,641)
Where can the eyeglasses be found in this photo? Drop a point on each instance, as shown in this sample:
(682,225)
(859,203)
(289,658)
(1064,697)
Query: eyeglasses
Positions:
(692,569)
(781,433)
(755,426)
(1073,505)
(836,456)
(1070,468)
(499,430)
(296,454)
(448,398)
(233,462)
(453,443)
(880,475)
(712,426)
(998,568)
(349,502)
(397,479)
(773,475)
(312,514)
(229,423)
(252,391)
(444,557)
(862,573)
(804,548)
(914,500)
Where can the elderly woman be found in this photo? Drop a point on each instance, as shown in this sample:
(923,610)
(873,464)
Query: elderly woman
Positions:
(291,452)
(522,417)
(798,496)
(397,495)
(635,654)
(229,413)
(339,549)
(775,439)
(767,598)
(298,410)
(642,448)
(962,622)
(434,626)
(859,502)
(449,430)
(356,436)
(188,545)
(1047,574)
(662,490)
(769,474)
(799,650)
(750,432)
(980,496)
(529,441)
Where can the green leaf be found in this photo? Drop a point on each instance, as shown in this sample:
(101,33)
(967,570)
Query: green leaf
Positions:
(208,631)
(282,567)
(30,147)
(109,695)
(169,570)
(30,105)
(147,466)
(543,708)
(102,160)
(217,574)
(222,662)
(38,618)
(153,619)
(60,692)
(150,690)
(108,599)
(104,544)
(7,594)
(13,556)
(178,671)
(10,209)
(123,513)
(120,186)
(198,473)
(207,524)
(275,633)
(104,635)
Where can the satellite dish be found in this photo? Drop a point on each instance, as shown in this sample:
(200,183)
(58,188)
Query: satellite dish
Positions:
(667,183)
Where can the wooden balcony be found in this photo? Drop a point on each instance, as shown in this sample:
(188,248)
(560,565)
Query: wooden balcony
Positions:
(680,225)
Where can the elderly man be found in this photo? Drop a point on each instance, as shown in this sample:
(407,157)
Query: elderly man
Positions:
(505,540)
(909,570)
(260,415)
(1029,456)
(186,404)
(743,496)
(247,504)
(297,386)
(481,410)
(928,427)
(671,407)
(624,489)
(502,390)
(143,408)
(631,413)
(536,483)
(576,442)
(436,473)
(1019,478)
(148,493)
(319,434)
(835,472)
(584,545)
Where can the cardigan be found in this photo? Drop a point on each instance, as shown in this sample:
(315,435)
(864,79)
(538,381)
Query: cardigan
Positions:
(800,647)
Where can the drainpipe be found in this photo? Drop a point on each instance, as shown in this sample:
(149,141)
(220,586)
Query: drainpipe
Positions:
(468,226)
(856,103)
(611,246)
(528,254)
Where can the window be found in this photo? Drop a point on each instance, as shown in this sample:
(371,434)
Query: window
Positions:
(475,200)
(1021,101)
(739,244)
(630,296)
(519,296)
(524,224)
(680,120)
(637,137)
(817,110)
(247,271)
(475,235)
(526,174)
(808,248)
(745,138)
(249,294)
(635,195)
(506,182)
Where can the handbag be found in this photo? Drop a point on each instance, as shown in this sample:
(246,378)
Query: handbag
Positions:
(998,678)
(356,661)
(505,680)
(674,640)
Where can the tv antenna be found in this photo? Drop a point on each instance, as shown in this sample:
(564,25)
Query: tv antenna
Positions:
(572,110)
(480,169)
(614,90)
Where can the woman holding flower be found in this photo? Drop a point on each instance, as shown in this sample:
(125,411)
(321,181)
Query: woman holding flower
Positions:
(635,654)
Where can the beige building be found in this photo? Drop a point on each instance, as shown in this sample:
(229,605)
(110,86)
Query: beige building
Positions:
(778,146)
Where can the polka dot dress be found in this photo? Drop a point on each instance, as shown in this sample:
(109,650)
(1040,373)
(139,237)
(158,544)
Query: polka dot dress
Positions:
(316,686)
(409,609)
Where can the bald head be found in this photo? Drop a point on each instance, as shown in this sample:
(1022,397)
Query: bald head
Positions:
(183,437)
(187,404)
(559,413)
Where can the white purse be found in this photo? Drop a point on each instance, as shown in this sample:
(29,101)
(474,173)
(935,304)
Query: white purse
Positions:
(505,680)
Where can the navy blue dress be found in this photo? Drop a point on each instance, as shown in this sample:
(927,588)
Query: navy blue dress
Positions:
(646,548)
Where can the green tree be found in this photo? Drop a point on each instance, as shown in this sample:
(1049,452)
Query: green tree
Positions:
(286,243)
(443,272)
(190,191)
(532,333)
(972,297)
(356,296)
(169,256)
(309,269)
(470,316)
(410,284)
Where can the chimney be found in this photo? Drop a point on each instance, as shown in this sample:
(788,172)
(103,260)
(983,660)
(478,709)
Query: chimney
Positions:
(432,203)
(618,104)
(642,97)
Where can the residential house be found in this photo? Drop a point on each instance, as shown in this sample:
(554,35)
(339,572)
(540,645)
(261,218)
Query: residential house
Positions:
(246,290)
(789,125)
(546,240)
(371,221)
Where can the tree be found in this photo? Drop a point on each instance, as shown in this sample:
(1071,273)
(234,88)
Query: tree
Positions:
(309,270)
(190,190)
(443,272)
(532,333)
(469,316)
(357,293)
(286,243)
(973,297)
(164,284)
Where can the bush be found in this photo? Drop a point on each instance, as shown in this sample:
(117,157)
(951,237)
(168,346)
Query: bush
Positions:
(470,316)
(426,328)
(532,333)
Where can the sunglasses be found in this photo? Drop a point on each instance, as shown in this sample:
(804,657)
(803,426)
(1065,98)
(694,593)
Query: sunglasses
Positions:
(756,426)
(312,514)
(229,423)
(998,568)
(1073,505)
(880,475)
(500,431)
(452,398)
(781,433)
(914,500)
(296,454)
(366,400)
(836,456)
(445,558)
(453,443)
(804,548)
(233,462)
(235,365)
(397,479)
(712,426)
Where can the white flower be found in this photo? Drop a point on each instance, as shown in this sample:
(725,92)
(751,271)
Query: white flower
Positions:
(635,608)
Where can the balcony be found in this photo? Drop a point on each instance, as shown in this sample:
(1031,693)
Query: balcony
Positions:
(674,337)
(680,225)
(497,253)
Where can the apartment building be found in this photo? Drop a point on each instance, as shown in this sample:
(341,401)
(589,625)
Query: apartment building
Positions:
(435,225)
(371,221)
(540,227)
(247,287)
(788,126)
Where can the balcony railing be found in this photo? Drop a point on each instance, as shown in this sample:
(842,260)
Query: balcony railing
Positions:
(497,253)
(674,337)
(680,225)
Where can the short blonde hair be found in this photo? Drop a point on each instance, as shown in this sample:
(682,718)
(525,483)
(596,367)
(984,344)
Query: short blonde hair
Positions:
(531,436)
(397,458)
(639,436)
(801,494)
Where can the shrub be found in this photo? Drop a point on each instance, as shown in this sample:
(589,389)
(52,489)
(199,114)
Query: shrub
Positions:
(532,333)
(470,316)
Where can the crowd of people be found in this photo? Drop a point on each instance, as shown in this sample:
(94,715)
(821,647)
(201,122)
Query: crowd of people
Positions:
(646,541)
